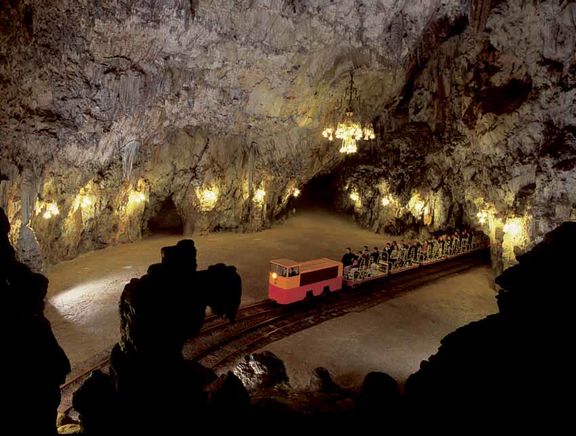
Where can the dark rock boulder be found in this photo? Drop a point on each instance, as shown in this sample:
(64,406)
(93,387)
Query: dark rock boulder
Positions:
(379,395)
(158,313)
(34,362)
(321,381)
(96,402)
(513,362)
(228,397)
(261,371)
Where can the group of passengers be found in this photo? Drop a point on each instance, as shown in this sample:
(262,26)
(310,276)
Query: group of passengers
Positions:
(391,252)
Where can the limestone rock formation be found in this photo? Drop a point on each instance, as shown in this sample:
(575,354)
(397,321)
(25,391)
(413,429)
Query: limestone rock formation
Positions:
(483,132)
(34,364)
(261,371)
(514,360)
(217,108)
(151,386)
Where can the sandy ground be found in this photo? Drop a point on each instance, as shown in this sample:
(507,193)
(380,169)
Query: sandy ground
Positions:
(83,294)
(393,337)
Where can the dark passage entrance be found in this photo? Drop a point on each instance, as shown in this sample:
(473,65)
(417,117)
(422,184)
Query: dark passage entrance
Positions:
(321,192)
(167,220)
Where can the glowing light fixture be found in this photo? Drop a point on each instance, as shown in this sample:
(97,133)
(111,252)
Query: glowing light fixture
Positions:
(513,227)
(354,197)
(296,193)
(385,201)
(350,129)
(51,209)
(208,198)
(482,216)
(86,202)
(136,197)
(259,196)
(274,276)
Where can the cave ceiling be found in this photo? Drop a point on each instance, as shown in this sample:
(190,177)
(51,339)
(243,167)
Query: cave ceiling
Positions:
(80,79)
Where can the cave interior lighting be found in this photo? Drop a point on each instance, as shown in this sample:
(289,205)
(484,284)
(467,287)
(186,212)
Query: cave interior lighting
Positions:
(259,196)
(207,198)
(50,209)
(513,227)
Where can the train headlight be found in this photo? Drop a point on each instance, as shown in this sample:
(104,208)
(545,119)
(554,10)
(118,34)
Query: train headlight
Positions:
(274,276)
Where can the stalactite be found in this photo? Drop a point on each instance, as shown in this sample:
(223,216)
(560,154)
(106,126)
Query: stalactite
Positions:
(129,152)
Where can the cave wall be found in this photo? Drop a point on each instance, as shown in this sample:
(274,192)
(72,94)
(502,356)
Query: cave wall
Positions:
(484,134)
(110,108)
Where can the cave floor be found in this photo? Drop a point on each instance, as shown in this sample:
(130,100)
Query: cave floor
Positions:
(393,337)
(83,295)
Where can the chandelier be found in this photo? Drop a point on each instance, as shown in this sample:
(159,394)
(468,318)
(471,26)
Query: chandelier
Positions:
(350,129)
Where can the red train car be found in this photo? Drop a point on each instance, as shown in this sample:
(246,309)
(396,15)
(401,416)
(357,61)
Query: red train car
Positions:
(291,281)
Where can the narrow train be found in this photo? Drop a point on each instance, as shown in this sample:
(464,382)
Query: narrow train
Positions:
(291,281)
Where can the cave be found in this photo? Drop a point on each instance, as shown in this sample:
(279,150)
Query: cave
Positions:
(320,192)
(167,220)
(386,175)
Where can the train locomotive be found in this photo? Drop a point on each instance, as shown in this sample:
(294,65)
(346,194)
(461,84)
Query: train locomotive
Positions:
(292,281)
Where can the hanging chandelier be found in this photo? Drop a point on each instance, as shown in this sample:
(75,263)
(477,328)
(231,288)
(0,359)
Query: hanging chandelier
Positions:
(350,129)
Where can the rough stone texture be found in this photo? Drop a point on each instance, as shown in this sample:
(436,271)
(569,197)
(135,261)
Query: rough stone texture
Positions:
(474,104)
(34,365)
(261,371)
(513,360)
(193,94)
(486,121)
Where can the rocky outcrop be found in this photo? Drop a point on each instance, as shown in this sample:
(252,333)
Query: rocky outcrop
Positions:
(514,360)
(483,134)
(34,364)
(261,371)
(215,105)
(151,386)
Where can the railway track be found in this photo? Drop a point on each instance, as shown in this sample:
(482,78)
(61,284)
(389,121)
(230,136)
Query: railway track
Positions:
(223,347)
(220,343)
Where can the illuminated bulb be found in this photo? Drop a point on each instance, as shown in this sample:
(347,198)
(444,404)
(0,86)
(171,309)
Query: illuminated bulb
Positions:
(354,197)
(327,133)
(259,196)
(385,201)
(208,198)
(51,210)
(86,202)
(512,228)
(296,192)
(136,197)
(482,216)
(274,276)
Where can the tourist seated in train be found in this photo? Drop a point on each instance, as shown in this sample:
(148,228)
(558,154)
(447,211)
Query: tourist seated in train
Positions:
(375,255)
(366,254)
(348,257)
(393,258)
(294,271)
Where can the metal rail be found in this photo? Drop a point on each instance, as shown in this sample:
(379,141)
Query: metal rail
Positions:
(219,342)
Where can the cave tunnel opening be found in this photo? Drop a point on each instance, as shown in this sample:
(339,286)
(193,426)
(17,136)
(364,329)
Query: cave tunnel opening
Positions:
(321,192)
(167,220)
